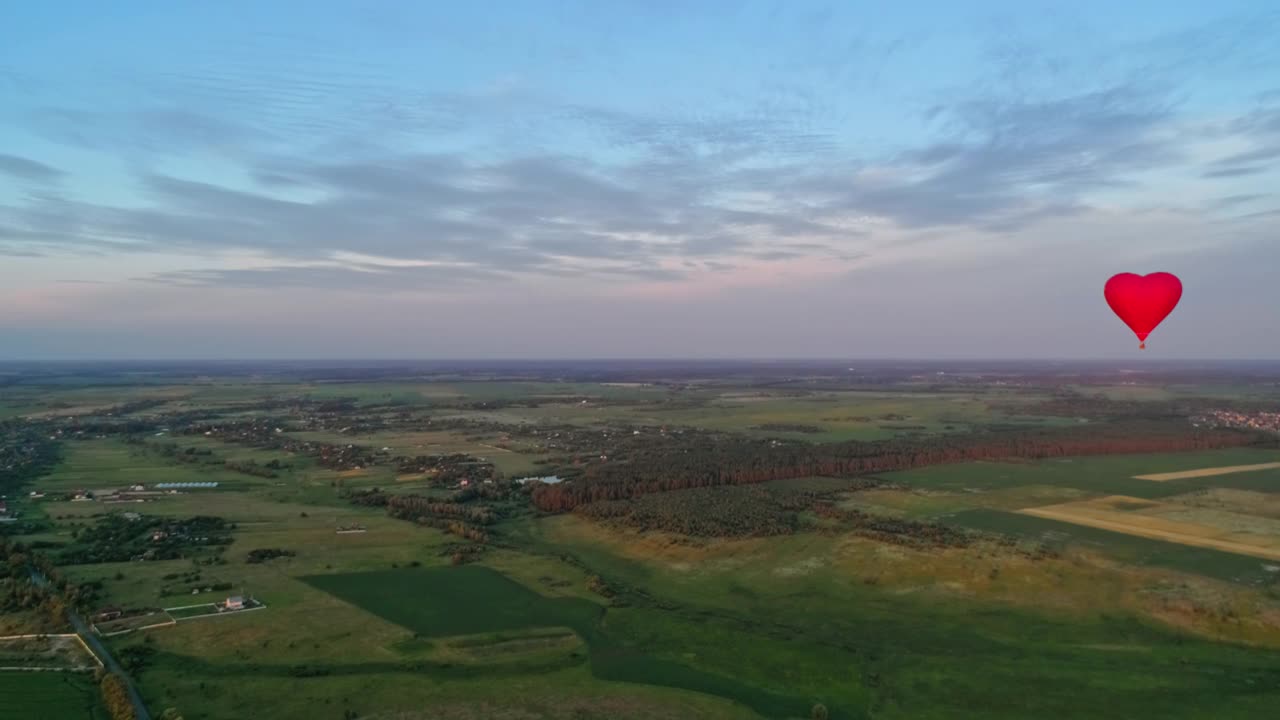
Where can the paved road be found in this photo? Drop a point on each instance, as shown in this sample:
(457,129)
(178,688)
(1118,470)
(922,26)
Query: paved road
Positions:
(95,644)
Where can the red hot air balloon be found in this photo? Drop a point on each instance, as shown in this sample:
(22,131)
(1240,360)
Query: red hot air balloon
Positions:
(1143,301)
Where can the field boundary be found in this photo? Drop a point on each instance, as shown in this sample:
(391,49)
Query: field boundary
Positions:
(1049,513)
(61,636)
(23,668)
(1207,472)
(126,631)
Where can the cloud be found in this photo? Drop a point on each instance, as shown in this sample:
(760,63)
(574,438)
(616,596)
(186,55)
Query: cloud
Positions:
(352,277)
(717,188)
(1011,162)
(1252,156)
(30,170)
(1233,200)
(641,194)
(159,128)
(1232,172)
(551,214)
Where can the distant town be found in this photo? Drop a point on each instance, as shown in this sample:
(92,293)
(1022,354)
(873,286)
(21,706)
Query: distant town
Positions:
(1267,421)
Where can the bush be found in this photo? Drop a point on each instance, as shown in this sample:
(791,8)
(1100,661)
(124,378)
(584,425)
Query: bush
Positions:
(264,554)
(116,698)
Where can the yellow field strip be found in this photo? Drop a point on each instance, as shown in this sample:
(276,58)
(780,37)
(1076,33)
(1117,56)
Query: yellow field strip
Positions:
(1207,472)
(1075,518)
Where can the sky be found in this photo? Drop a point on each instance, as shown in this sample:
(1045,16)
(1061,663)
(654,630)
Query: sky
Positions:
(655,178)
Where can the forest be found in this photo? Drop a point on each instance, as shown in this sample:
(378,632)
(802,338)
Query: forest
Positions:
(738,461)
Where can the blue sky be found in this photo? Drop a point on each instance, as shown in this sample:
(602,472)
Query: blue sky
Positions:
(542,179)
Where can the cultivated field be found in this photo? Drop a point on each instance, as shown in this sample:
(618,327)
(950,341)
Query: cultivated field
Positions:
(49,696)
(1208,472)
(1242,534)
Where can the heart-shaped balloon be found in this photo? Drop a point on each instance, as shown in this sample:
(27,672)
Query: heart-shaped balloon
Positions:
(1143,301)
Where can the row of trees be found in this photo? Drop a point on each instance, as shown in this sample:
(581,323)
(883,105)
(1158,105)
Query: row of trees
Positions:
(29,581)
(115,695)
(261,555)
(736,461)
(465,521)
(898,531)
(413,506)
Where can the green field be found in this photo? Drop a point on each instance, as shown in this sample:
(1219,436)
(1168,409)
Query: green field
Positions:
(429,442)
(1131,549)
(837,415)
(110,464)
(1103,475)
(49,696)
(469,600)
(459,601)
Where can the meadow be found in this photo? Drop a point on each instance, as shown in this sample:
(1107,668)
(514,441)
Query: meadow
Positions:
(108,464)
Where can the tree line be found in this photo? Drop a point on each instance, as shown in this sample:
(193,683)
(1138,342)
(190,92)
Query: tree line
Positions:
(452,517)
(738,461)
(21,591)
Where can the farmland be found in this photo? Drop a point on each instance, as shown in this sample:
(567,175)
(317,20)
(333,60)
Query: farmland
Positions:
(707,572)
(1235,533)
(55,696)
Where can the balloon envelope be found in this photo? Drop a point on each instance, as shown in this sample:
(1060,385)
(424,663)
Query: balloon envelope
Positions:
(1143,301)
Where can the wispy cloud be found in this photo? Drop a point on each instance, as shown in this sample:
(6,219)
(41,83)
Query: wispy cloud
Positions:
(324,161)
(26,169)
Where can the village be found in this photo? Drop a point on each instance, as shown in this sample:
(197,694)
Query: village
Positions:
(1265,421)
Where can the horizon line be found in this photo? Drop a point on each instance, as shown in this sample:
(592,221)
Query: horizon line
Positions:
(744,359)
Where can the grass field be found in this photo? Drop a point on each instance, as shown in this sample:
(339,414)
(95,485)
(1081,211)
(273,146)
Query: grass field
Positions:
(1125,547)
(110,464)
(49,696)
(837,416)
(469,600)
(834,612)
(1237,533)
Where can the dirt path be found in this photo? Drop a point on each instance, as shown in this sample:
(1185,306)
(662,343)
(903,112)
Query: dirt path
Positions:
(1154,534)
(1207,472)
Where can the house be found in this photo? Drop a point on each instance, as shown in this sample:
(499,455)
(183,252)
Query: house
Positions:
(234,602)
